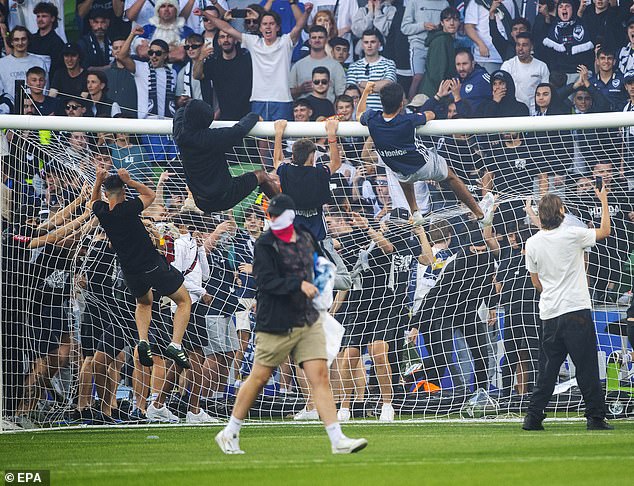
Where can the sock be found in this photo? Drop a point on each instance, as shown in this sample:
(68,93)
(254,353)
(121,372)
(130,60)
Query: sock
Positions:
(233,427)
(334,433)
(177,346)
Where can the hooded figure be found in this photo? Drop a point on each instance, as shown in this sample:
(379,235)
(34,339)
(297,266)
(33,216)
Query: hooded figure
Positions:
(508,105)
(173,32)
(568,42)
(203,151)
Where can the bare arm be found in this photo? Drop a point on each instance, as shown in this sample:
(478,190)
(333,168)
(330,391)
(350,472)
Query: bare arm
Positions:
(278,155)
(123,56)
(381,241)
(199,64)
(61,216)
(471,32)
(133,12)
(427,255)
(301,22)
(59,234)
(220,24)
(361,107)
(146,195)
(187,9)
(604,230)
(333,146)
(117,7)
(96,188)
(84,7)
(160,187)
(536,282)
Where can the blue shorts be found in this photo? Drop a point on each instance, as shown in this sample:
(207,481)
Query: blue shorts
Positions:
(273,110)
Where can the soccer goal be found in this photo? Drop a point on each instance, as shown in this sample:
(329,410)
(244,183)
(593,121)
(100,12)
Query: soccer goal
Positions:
(440,320)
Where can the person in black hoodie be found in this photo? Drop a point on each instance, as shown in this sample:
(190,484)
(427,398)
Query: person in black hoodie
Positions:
(503,102)
(203,151)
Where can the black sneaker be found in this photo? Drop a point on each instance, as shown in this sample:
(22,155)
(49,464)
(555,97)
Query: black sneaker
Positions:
(145,353)
(178,355)
(598,424)
(532,423)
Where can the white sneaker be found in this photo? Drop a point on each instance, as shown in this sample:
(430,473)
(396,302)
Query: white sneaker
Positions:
(162,414)
(304,414)
(343,414)
(228,445)
(201,417)
(346,445)
(487,205)
(387,413)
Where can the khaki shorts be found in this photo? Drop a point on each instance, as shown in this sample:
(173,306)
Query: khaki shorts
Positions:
(302,343)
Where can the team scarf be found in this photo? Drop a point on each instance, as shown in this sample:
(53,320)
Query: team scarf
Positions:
(282,227)
(170,105)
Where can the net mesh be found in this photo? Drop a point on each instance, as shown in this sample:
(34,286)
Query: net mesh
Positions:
(440,322)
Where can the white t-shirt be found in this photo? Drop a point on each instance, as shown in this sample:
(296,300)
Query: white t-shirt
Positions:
(526,77)
(23,15)
(479,16)
(14,68)
(271,67)
(556,256)
(142,81)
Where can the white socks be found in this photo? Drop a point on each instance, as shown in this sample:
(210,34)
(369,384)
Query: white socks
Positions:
(334,433)
(177,346)
(233,427)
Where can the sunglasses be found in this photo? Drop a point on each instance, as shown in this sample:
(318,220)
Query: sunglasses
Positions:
(193,46)
(154,53)
(72,107)
(367,69)
(317,82)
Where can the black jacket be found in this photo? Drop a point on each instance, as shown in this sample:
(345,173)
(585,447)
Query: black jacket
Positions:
(277,295)
(203,149)
(508,106)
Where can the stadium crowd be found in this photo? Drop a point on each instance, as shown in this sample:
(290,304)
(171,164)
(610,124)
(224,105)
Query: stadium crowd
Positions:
(442,287)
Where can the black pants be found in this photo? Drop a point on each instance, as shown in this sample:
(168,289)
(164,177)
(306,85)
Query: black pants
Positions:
(571,333)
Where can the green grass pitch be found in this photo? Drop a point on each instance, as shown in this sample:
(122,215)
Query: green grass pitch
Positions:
(429,453)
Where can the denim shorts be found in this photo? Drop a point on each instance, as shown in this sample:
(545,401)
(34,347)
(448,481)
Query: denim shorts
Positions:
(273,110)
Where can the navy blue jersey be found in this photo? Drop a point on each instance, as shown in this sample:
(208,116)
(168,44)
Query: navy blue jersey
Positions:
(309,187)
(395,140)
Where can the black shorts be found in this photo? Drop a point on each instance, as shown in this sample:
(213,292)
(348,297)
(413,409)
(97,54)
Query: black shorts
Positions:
(237,191)
(164,278)
(521,333)
(373,325)
(92,324)
(47,332)
(118,332)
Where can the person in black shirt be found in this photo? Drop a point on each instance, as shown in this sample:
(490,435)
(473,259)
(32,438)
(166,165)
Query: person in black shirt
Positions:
(231,74)
(96,46)
(203,155)
(143,267)
(306,183)
(318,98)
(42,104)
(46,42)
(70,80)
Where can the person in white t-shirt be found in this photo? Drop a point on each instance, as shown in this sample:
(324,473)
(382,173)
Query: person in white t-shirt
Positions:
(554,258)
(476,26)
(14,66)
(527,72)
(271,60)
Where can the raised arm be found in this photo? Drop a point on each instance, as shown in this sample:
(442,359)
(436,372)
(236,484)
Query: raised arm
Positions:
(219,24)
(146,195)
(301,22)
(361,107)
(604,230)
(278,155)
(133,12)
(198,69)
(333,146)
(61,216)
(123,56)
(426,256)
(96,188)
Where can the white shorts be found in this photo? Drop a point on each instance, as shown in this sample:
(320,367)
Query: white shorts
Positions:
(222,335)
(435,169)
(243,317)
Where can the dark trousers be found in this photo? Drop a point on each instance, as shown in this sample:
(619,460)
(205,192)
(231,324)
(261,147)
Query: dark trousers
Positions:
(571,333)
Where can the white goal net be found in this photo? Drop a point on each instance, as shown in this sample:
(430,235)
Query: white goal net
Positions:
(440,320)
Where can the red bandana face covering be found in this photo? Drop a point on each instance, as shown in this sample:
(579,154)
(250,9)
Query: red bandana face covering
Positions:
(283,227)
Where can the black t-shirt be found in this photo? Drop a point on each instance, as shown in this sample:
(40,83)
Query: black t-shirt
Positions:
(321,107)
(52,272)
(351,244)
(50,45)
(67,85)
(513,168)
(518,291)
(309,187)
(47,107)
(232,80)
(221,285)
(128,235)
(99,268)
(387,277)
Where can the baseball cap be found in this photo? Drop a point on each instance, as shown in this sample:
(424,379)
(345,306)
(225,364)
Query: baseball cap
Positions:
(71,48)
(418,101)
(279,204)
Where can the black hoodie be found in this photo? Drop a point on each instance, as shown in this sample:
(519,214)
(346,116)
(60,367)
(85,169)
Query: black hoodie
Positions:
(508,106)
(203,149)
